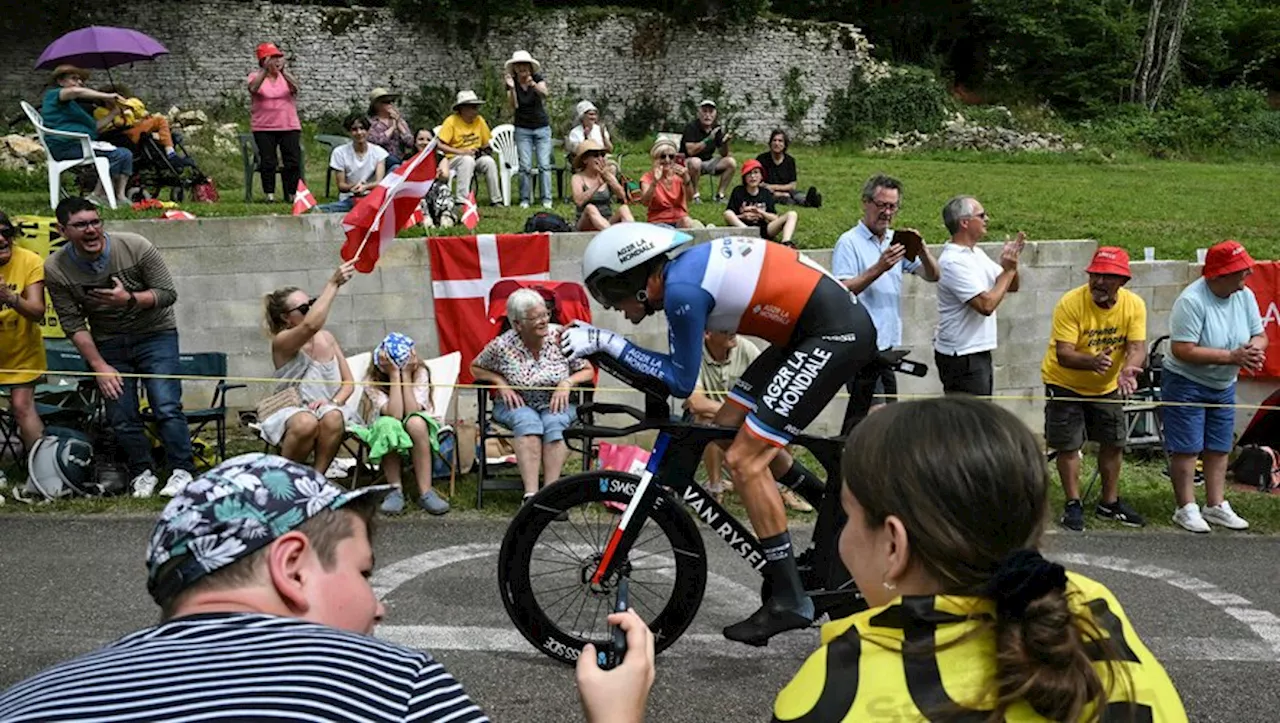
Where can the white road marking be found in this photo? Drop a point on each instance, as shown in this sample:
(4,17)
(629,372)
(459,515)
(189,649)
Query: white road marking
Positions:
(1263,623)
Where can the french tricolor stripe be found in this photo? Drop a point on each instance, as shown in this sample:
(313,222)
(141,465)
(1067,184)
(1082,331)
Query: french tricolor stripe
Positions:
(767,433)
(741,400)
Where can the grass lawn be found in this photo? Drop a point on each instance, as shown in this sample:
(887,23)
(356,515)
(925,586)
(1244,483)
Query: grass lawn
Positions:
(1175,206)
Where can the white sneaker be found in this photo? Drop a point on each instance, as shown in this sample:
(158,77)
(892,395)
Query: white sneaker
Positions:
(144,484)
(524,204)
(547,204)
(1188,517)
(177,480)
(1223,516)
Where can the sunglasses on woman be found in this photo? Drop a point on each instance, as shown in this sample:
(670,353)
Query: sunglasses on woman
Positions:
(667,157)
(304,307)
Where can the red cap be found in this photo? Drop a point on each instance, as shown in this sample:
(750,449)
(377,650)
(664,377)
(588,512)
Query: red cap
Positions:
(1225,258)
(1110,260)
(751,165)
(267,50)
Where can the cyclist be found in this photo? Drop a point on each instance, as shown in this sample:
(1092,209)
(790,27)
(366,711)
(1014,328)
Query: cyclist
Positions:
(820,337)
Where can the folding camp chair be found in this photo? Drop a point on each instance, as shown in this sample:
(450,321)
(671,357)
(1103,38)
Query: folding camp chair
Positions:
(211,365)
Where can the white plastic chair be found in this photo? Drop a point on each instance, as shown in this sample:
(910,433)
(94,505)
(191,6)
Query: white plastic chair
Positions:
(504,142)
(56,167)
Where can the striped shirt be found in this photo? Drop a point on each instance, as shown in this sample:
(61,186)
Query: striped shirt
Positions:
(137,264)
(238,666)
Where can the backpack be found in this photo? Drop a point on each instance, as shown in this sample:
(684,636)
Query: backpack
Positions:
(1257,466)
(543,222)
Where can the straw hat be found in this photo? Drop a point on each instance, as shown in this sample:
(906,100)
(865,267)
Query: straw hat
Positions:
(68,69)
(585,147)
(467,97)
(378,93)
(522,56)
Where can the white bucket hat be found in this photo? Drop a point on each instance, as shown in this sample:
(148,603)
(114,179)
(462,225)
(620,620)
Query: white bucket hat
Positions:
(467,97)
(522,56)
(584,107)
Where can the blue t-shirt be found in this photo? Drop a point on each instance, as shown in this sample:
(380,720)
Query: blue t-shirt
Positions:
(856,251)
(66,115)
(1206,319)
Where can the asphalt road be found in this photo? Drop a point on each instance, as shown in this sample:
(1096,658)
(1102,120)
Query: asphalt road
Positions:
(1205,605)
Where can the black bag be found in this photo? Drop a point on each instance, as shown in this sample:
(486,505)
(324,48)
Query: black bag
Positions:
(1257,467)
(543,222)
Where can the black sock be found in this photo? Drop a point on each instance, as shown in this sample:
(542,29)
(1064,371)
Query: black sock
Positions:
(804,482)
(780,566)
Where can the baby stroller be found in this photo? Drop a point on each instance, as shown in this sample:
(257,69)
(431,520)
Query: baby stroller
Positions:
(154,171)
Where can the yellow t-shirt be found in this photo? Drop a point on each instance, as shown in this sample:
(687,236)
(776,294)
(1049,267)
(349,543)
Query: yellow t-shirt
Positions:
(459,134)
(21,345)
(133,111)
(1077,320)
(860,673)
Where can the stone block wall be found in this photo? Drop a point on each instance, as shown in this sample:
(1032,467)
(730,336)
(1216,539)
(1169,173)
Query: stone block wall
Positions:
(340,54)
(223,266)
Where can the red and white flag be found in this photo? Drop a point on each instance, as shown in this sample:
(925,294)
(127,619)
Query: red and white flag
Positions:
(417,217)
(470,213)
(389,208)
(176,215)
(464,270)
(303,201)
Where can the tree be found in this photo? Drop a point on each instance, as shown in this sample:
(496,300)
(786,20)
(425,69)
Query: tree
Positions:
(1161,48)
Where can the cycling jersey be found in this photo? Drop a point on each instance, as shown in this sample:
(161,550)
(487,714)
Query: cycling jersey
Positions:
(860,672)
(820,335)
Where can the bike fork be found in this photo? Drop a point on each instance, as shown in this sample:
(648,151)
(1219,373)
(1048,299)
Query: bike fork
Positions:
(624,535)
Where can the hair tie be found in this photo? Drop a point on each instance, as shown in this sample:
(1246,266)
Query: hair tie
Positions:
(1022,577)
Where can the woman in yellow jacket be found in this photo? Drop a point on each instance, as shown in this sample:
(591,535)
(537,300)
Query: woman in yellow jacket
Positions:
(947,500)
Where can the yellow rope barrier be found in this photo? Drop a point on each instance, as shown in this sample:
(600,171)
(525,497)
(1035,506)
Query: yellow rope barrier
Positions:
(629,390)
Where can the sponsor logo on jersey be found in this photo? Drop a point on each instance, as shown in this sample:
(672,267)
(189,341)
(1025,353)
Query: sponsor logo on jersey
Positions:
(793,379)
(771,312)
(726,248)
(842,338)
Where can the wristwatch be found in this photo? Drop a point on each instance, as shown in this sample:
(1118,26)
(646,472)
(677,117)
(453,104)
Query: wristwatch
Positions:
(133,301)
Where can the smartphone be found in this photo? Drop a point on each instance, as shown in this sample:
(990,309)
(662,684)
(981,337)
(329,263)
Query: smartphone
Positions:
(107,285)
(612,659)
(910,239)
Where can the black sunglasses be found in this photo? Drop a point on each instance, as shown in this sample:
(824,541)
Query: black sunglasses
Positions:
(667,156)
(9,232)
(303,308)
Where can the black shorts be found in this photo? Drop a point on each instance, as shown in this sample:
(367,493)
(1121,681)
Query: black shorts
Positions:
(787,386)
(1068,422)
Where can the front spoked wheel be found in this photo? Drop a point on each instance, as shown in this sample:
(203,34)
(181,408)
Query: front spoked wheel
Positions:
(546,565)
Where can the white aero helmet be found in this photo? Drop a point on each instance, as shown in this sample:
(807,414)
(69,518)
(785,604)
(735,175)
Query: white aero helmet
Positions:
(60,464)
(616,261)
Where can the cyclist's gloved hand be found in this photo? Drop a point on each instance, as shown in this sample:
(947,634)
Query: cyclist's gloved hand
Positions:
(580,340)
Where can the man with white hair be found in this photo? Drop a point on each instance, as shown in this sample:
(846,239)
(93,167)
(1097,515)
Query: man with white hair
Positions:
(970,288)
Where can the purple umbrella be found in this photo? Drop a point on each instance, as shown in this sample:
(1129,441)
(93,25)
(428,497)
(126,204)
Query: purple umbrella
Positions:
(100,47)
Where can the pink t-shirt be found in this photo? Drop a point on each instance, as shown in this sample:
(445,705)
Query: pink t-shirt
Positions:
(273,107)
(667,205)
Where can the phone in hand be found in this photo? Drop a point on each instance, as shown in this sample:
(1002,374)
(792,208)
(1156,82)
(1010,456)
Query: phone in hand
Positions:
(910,240)
(613,658)
(107,285)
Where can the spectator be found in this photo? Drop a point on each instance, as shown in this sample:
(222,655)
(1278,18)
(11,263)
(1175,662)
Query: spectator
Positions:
(524,366)
(589,128)
(273,117)
(307,357)
(970,288)
(437,205)
(114,297)
(397,409)
(594,189)
(870,262)
(666,189)
(279,624)
(725,356)
(966,615)
(359,166)
(1096,352)
(780,173)
(751,204)
(388,129)
(465,139)
(527,94)
(61,111)
(702,138)
(1215,330)
(21,344)
(134,120)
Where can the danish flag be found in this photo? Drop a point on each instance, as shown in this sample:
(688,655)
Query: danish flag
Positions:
(303,201)
(388,209)
(470,213)
(175,215)
(464,270)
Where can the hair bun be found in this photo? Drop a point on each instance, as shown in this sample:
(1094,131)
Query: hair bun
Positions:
(1021,578)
